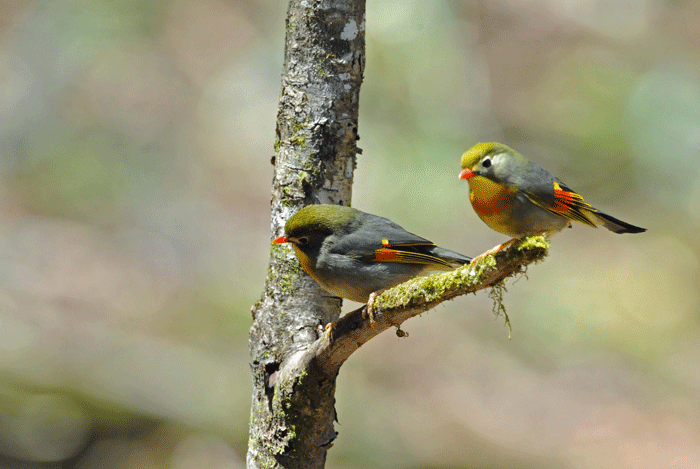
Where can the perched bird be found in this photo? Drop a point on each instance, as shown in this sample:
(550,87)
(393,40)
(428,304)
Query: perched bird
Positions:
(353,254)
(517,197)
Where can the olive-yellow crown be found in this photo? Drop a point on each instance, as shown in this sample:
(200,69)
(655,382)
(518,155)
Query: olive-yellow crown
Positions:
(472,156)
(322,219)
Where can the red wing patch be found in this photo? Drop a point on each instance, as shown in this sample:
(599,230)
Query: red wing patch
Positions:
(407,257)
(563,200)
(570,205)
(384,254)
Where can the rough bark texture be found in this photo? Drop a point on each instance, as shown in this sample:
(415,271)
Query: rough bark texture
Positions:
(292,410)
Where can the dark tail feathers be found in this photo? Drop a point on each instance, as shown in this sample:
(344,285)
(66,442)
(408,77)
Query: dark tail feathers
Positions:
(454,258)
(615,225)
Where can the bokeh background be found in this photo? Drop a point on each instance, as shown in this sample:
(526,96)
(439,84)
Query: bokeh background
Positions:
(135,145)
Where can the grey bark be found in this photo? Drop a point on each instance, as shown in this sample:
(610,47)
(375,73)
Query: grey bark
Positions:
(292,409)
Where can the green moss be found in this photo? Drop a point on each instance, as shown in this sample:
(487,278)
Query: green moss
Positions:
(288,279)
(288,275)
(322,62)
(283,391)
(435,287)
(496,294)
(277,145)
(304,178)
(313,169)
(277,250)
(281,403)
(298,134)
(533,242)
(298,138)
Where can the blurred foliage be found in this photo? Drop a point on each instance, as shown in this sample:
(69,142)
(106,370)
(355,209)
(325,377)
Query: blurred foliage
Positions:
(135,141)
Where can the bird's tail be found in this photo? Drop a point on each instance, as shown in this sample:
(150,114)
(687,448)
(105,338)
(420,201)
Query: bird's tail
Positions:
(613,224)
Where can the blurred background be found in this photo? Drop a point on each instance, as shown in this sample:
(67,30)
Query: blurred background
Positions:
(135,145)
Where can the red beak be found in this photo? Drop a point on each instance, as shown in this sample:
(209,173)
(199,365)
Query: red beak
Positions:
(281,240)
(466,173)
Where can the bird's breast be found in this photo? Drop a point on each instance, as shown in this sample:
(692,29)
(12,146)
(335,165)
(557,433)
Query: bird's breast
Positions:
(490,198)
(493,202)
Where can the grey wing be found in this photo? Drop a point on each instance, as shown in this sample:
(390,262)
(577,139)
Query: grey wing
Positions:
(373,233)
(411,248)
(553,195)
(537,184)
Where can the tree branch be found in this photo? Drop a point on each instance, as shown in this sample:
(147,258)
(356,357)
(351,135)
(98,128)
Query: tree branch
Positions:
(416,296)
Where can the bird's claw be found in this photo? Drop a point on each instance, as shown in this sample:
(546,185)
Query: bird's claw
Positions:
(368,311)
(329,330)
(495,250)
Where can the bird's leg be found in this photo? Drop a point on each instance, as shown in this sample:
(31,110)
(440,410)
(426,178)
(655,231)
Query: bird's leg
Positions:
(495,250)
(500,247)
(329,330)
(368,310)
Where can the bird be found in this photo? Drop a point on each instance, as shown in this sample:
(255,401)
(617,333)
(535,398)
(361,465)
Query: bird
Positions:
(519,198)
(354,254)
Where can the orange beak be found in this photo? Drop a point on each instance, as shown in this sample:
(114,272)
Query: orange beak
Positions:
(281,240)
(466,173)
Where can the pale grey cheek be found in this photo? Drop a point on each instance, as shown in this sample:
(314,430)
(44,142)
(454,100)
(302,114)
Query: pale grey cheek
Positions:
(500,167)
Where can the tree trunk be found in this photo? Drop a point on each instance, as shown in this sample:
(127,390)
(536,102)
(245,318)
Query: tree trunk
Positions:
(292,409)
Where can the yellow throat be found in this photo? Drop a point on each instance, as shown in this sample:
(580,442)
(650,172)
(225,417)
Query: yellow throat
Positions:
(493,202)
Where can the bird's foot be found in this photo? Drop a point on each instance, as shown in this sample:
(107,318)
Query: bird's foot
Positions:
(495,250)
(329,330)
(368,310)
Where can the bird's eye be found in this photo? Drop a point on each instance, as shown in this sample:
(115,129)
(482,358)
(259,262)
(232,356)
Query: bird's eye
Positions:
(486,163)
(303,240)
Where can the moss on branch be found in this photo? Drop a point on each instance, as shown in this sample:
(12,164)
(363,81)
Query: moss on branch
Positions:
(418,295)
